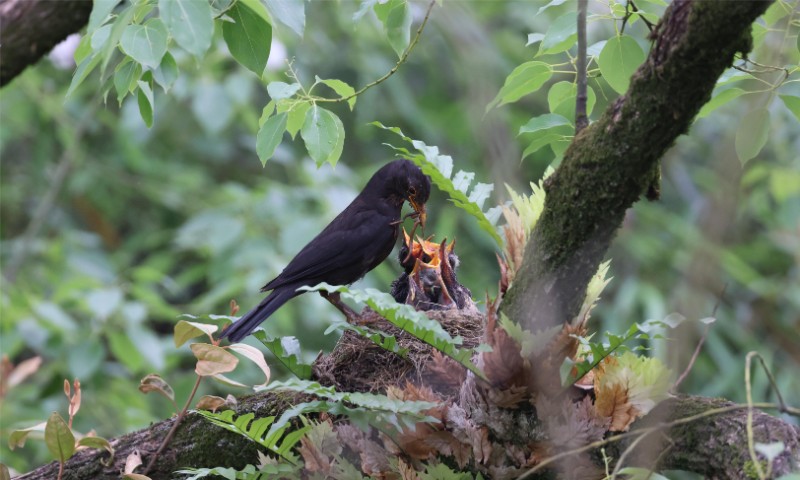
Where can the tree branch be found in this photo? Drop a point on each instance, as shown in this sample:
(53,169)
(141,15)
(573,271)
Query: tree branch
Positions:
(611,163)
(29,29)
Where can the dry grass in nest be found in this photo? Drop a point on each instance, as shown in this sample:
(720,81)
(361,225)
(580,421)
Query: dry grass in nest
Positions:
(357,364)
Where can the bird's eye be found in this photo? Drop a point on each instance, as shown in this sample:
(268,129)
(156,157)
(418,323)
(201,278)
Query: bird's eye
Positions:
(412,191)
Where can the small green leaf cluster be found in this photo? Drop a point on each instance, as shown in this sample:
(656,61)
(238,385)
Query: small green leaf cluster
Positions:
(593,353)
(61,440)
(294,108)
(135,44)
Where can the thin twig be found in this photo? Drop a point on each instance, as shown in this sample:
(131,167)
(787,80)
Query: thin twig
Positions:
(750,440)
(175,425)
(394,69)
(581,120)
(700,343)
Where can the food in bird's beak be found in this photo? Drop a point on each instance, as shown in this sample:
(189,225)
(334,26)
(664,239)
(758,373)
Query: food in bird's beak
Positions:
(420,209)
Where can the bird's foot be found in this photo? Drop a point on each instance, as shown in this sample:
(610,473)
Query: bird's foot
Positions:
(336,300)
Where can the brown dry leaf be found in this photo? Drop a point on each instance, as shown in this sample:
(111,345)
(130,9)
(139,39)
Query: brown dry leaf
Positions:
(406,471)
(132,462)
(318,445)
(573,425)
(612,402)
(504,281)
(11,375)
(564,345)
(481,447)
(507,398)
(449,446)
(374,459)
(467,433)
(601,367)
(414,443)
(446,372)
(503,365)
(211,403)
(75,399)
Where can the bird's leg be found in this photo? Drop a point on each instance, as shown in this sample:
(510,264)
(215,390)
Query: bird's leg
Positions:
(336,300)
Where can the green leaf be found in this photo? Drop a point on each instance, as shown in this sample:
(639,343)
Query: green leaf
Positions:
(125,351)
(118,26)
(291,13)
(792,103)
(552,3)
(145,99)
(100,37)
(720,99)
(59,438)
(396,19)
(287,351)
(297,116)
(189,22)
(83,50)
(126,75)
(248,39)
(84,69)
(752,134)
(523,80)
(323,134)
(562,96)
(561,35)
(775,12)
(269,136)
(381,339)
(18,437)
(280,90)
(166,73)
(618,60)
(342,88)
(544,122)
(185,331)
(99,443)
(784,183)
(146,43)
(100,12)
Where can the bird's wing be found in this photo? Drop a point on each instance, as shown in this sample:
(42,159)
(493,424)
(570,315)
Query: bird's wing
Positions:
(342,253)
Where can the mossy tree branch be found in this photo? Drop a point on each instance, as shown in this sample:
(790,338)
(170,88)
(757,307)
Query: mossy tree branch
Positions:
(611,163)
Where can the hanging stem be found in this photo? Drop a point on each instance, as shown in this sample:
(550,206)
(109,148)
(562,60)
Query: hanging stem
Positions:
(581,120)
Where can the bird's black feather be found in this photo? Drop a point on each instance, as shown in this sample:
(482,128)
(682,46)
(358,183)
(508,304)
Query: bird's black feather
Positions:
(355,242)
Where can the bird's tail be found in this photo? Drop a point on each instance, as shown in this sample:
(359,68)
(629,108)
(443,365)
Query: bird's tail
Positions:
(252,319)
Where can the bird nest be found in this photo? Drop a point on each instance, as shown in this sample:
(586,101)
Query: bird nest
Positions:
(429,284)
(357,364)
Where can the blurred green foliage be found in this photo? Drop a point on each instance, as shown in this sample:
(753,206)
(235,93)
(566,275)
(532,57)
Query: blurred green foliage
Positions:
(110,230)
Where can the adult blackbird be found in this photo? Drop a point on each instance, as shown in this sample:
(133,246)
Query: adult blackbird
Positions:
(354,243)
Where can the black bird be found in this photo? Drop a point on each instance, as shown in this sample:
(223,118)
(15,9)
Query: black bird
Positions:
(354,243)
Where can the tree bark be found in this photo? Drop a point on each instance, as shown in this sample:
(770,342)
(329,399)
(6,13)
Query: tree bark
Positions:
(29,29)
(714,446)
(611,163)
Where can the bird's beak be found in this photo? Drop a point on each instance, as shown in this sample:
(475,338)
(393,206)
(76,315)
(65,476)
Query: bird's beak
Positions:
(420,209)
